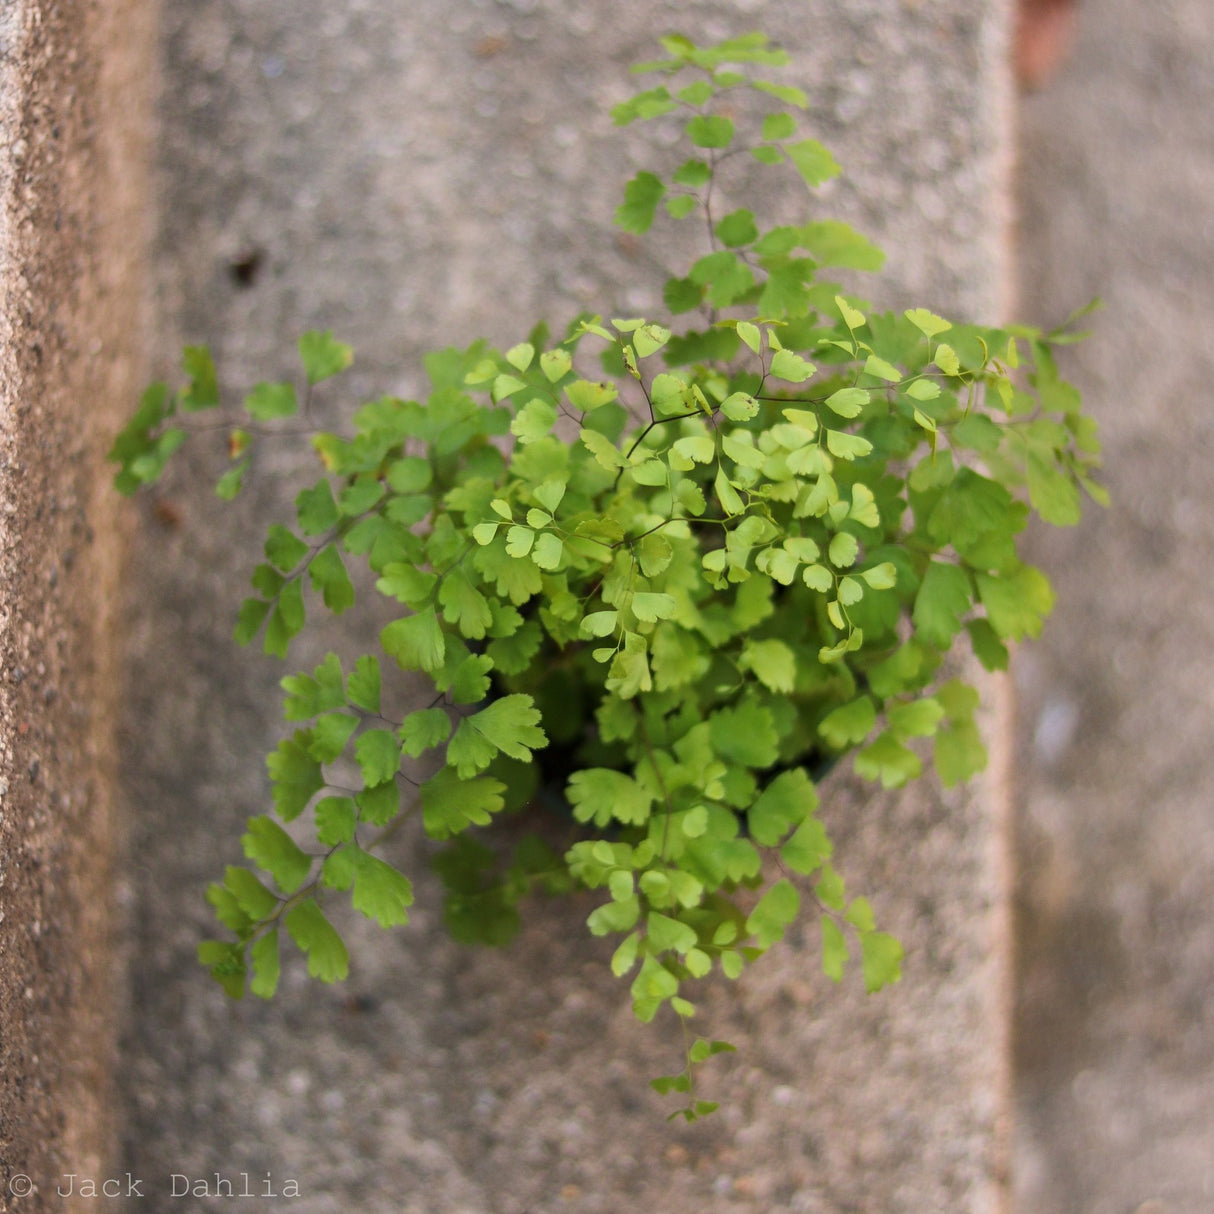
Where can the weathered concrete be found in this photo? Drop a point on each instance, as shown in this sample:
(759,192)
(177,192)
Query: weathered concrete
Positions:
(73,100)
(1116,978)
(411,175)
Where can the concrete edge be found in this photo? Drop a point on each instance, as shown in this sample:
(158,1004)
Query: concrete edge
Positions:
(74,103)
(991,795)
(12,42)
(1000,71)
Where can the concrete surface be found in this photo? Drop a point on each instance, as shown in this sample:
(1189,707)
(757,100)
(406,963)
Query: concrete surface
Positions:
(1115,1028)
(409,175)
(73,95)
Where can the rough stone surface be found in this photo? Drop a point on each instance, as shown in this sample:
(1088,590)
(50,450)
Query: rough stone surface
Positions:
(1115,1027)
(72,90)
(416,175)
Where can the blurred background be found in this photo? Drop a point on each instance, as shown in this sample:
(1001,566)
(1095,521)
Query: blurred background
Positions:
(276,217)
(1115,906)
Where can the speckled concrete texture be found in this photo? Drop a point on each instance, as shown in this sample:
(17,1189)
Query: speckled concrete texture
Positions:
(1115,1024)
(416,175)
(74,104)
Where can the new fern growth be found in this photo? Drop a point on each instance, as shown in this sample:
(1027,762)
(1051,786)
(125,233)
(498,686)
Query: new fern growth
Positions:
(670,570)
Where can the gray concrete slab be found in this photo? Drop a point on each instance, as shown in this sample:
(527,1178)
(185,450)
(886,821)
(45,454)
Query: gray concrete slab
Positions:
(412,175)
(1115,1028)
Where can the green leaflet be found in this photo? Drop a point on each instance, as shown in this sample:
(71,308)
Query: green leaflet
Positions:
(363,686)
(295,766)
(615,916)
(270,847)
(808,848)
(972,506)
(650,607)
(509,725)
(286,619)
(737,228)
(710,131)
(323,356)
(378,755)
(779,126)
(520,356)
(649,104)
(988,648)
(268,401)
(329,576)
(882,960)
(943,598)
(253,897)
(724,275)
(832,243)
(378,804)
(203,390)
(283,549)
(416,642)
(600,795)
(667,934)
(783,805)
(775,911)
(226,963)
(336,820)
(264,957)
(693,173)
(849,724)
(774,664)
(409,475)
(464,605)
(641,197)
(843,550)
(451,804)
(847,446)
(511,655)
(316,509)
(682,294)
(879,368)
(534,420)
(745,734)
(916,719)
(308,695)
(791,367)
(834,950)
(815,164)
(926,322)
(1053,493)
(360,496)
(423,730)
(888,761)
(848,402)
(228,911)
(959,752)
(555,364)
(380,892)
(328,959)
(1017,604)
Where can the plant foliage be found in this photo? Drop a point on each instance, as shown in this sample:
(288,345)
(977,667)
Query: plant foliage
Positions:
(675,568)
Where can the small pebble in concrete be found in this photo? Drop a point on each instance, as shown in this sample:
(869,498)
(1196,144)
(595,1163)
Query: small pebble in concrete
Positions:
(1055,730)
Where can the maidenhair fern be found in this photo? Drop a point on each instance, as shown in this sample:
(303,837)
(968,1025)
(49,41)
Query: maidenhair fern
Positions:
(664,572)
